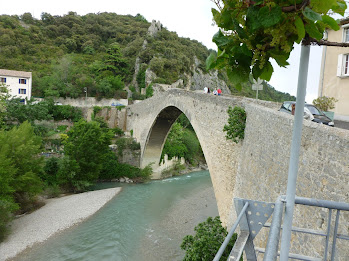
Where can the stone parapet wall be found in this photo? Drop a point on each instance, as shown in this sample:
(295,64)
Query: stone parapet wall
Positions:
(91,101)
(323,171)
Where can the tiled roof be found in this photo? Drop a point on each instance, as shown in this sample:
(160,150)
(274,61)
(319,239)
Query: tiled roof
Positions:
(4,72)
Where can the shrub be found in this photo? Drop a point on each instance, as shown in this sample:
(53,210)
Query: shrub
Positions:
(208,238)
(120,94)
(96,109)
(7,207)
(138,96)
(325,103)
(50,171)
(236,124)
(149,91)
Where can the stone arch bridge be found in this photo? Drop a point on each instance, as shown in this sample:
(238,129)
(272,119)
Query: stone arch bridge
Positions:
(257,167)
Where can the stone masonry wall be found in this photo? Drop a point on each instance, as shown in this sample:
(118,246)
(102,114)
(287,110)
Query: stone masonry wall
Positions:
(323,171)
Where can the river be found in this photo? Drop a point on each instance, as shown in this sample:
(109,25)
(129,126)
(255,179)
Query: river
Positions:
(145,222)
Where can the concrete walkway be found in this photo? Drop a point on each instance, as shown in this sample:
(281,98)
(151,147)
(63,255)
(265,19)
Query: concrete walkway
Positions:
(58,214)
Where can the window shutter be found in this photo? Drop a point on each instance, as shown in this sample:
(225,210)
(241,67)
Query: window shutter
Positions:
(19,91)
(340,65)
(19,81)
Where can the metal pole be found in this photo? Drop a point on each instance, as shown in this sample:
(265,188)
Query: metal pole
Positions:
(295,148)
(257,94)
(271,251)
(230,234)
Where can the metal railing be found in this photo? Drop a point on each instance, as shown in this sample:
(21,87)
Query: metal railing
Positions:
(253,216)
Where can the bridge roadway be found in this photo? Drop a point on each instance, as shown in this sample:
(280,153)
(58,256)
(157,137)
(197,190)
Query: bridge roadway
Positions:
(257,167)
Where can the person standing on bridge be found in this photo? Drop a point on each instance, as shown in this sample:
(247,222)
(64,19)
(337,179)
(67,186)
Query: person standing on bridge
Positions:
(215,92)
(219,91)
(205,90)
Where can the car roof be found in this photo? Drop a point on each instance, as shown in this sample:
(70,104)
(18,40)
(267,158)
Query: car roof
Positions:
(293,102)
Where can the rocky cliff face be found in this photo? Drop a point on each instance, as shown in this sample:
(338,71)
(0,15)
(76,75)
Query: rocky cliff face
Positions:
(196,80)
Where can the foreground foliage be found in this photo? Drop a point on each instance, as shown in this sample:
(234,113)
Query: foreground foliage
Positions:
(252,33)
(208,238)
(20,167)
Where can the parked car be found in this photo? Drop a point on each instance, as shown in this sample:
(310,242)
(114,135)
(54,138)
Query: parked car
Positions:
(318,115)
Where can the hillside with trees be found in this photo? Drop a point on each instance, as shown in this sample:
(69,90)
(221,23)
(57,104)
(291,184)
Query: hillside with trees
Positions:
(101,52)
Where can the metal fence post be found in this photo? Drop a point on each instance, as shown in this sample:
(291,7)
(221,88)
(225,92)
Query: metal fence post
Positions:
(295,149)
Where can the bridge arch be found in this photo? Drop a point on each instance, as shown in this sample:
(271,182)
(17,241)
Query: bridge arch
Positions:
(157,136)
(152,119)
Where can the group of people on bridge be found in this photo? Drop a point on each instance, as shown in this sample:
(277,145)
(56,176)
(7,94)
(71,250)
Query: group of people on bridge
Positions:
(215,92)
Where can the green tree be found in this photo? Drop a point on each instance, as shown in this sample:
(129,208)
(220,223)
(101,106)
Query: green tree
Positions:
(174,146)
(4,96)
(208,238)
(86,146)
(254,32)
(20,167)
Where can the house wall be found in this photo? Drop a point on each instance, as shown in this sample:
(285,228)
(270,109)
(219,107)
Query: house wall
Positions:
(12,82)
(332,85)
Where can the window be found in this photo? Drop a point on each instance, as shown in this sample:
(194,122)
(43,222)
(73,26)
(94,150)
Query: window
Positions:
(346,35)
(22,81)
(2,80)
(22,91)
(343,65)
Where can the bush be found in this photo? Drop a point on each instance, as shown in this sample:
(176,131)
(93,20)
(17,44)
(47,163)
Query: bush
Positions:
(7,207)
(66,112)
(50,171)
(325,103)
(236,124)
(208,238)
(138,96)
(149,91)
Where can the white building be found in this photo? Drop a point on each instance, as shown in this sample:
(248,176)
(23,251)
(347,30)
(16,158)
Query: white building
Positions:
(18,83)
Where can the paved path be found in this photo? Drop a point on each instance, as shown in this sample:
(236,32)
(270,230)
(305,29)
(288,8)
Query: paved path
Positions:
(58,214)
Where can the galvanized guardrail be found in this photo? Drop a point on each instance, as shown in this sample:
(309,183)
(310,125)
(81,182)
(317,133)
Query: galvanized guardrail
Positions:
(252,217)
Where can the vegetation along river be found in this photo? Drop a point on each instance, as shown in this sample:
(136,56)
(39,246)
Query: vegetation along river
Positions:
(144,222)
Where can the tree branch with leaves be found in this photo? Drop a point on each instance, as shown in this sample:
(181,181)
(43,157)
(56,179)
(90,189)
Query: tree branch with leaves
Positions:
(252,33)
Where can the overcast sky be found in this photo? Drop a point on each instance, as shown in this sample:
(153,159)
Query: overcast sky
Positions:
(189,18)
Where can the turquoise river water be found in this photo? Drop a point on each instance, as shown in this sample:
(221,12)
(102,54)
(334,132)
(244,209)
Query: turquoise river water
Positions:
(144,222)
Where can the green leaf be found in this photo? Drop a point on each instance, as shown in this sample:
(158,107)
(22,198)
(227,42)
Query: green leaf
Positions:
(239,29)
(252,20)
(211,61)
(300,28)
(216,15)
(322,6)
(330,22)
(256,71)
(280,59)
(225,20)
(245,50)
(269,17)
(313,31)
(238,75)
(311,15)
(220,39)
(267,71)
(339,7)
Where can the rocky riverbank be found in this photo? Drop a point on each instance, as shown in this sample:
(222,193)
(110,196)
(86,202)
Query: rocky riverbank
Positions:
(58,214)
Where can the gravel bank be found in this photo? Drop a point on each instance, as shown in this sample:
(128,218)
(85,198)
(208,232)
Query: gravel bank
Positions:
(58,214)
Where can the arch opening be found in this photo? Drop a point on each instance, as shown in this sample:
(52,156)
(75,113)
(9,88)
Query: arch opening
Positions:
(179,146)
